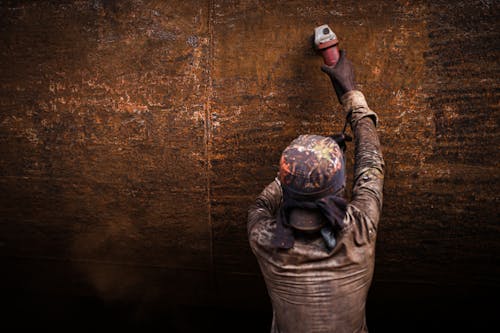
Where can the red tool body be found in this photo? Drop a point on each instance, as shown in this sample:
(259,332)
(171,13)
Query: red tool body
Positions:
(326,41)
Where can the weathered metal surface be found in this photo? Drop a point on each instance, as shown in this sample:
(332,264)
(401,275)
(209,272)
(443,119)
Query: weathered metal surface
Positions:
(445,161)
(134,135)
(103,149)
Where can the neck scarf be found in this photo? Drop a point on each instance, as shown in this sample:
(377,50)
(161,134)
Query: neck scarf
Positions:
(331,206)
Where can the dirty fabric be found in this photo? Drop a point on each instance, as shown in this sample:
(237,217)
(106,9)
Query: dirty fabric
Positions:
(332,207)
(312,165)
(312,288)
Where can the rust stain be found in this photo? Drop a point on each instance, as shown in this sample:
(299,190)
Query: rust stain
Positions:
(138,132)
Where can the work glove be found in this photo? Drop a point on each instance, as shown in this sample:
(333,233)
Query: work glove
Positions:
(342,75)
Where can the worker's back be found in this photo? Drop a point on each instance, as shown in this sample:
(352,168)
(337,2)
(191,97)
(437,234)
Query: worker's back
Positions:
(314,289)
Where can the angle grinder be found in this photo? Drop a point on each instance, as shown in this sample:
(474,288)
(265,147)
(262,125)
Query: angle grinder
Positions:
(326,41)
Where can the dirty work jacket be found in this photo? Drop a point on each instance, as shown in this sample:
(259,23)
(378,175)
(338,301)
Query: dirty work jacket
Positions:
(314,290)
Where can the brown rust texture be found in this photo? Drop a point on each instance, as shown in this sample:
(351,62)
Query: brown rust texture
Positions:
(135,134)
(103,137)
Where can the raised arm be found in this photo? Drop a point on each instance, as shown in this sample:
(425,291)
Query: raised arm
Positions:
(368,160)
(369,164)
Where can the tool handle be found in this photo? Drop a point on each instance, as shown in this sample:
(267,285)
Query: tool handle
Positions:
(330,55)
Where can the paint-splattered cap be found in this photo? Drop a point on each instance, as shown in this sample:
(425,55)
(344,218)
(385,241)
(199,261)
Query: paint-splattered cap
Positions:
(312,165)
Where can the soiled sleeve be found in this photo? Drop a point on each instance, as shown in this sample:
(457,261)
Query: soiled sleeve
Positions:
(265,205)
(367,193)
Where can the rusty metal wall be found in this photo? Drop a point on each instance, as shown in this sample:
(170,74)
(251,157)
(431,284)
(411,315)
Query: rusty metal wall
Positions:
(134,135)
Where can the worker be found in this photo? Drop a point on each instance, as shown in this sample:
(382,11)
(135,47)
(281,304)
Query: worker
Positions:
(316,250)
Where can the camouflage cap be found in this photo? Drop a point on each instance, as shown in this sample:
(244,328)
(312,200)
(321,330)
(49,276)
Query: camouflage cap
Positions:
(312,165)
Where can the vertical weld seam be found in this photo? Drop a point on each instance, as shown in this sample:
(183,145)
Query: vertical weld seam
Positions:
(208,139)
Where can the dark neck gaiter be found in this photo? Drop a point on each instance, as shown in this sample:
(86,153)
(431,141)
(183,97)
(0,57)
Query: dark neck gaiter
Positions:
(331,206)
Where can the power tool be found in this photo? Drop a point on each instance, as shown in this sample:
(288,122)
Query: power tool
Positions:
(326,41)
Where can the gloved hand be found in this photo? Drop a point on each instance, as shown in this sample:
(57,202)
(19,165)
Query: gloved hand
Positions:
(342,75)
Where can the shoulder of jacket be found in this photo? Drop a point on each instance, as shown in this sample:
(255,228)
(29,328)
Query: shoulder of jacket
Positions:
(357,219)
